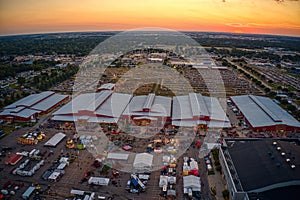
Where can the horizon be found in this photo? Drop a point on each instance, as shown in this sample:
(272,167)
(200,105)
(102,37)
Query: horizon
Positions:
(267,17)
(119,31)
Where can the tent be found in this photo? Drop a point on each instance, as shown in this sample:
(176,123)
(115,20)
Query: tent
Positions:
(52,142)
(194,165)
(117,156)
(77,192)
(191,182)
(143,161)
(98,181)
(171,193)
(127,147)
(194,172)
(163,180)
(172,179)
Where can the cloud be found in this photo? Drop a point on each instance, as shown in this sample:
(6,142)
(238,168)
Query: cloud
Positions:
(237,25)
(257,25)
(281,1)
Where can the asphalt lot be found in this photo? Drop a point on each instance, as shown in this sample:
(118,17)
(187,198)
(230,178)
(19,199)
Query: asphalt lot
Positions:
(75,171)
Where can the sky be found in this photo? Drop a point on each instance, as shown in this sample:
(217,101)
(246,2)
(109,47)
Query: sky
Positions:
(280,17)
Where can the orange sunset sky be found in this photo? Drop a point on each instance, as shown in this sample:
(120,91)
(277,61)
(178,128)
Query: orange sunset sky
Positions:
(244,16)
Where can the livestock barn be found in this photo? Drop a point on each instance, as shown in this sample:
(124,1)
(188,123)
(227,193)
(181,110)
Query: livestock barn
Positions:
(103,107)
(195,110)
(149,108)
(31,106)
(263,114)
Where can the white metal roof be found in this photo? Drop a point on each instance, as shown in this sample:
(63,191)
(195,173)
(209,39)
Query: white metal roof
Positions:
(49,102)
(157,105)
(87,102)
(64,118)
(104,106)
(262,111)
(186,108)
(188,123)
(23,112)
(33,104)
(115,105)
(107,86)
(31,99)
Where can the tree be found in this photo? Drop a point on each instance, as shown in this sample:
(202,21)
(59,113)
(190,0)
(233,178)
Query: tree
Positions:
(21,80)
(225,194)
(278,66)
(291,108)
(267,90)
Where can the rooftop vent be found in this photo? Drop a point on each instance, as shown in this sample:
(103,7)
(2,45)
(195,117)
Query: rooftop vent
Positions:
(274,143)
(283,153)
(288,160)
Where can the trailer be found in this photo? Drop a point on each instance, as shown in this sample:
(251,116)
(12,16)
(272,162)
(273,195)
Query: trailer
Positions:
(28,192)
(135,179)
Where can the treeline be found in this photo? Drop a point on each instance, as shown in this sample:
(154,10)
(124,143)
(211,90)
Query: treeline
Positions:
(41,82)
(288,43)
(28,45)
(83,43)
(12,70)
(248,54)
(44,81)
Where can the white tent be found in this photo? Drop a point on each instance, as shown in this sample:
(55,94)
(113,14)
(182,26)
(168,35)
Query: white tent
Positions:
(171,193)
(143,161)
(172,179)
(98,181)
(194,165)
(54,176)
(191,182)
(52,142)
(163,180)
(117,156)
(77,192)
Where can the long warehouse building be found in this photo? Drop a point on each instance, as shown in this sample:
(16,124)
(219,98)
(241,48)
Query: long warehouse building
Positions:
(263,114)
(103,107)
(33,105)
(196,110)
(108,107)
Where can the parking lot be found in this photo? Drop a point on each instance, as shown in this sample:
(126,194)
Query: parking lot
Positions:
(81,164)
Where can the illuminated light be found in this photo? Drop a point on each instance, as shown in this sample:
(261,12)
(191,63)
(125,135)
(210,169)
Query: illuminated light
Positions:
(278,148)
(293,166)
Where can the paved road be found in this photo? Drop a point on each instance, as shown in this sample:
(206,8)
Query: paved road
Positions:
(258,78)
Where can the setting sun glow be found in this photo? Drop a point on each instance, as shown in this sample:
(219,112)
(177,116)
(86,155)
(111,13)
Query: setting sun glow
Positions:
(240,16)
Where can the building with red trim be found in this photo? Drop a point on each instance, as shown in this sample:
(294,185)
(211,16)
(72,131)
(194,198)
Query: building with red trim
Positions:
(263,114)
(31,106)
